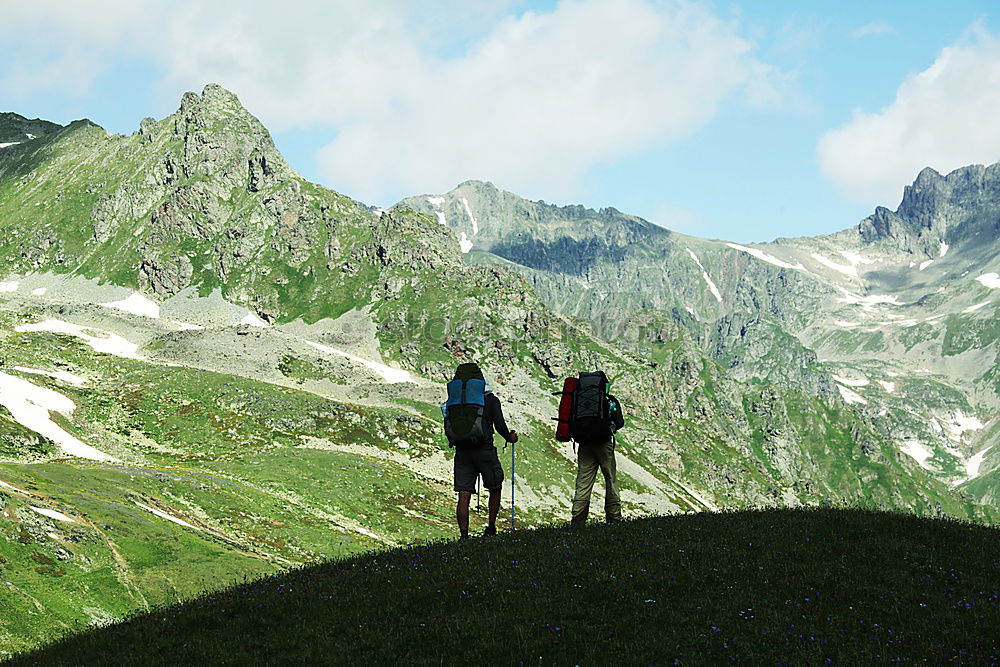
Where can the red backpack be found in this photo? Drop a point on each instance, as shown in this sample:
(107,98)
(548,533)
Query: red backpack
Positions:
(584,410)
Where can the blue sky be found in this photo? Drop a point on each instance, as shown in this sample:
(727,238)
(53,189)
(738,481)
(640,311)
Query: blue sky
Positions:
(745,121)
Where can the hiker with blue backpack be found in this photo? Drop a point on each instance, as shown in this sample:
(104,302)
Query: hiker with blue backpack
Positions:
(471,414)
(590,416)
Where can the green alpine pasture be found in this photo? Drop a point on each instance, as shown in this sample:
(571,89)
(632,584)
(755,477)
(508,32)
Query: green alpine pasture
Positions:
(245,455)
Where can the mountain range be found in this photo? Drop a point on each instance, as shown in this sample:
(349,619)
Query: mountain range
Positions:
(212,368)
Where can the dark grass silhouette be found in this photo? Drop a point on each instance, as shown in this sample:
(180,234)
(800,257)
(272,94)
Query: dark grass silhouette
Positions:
(799,587)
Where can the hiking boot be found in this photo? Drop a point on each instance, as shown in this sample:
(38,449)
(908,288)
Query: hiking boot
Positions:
(463,536)
(490,530)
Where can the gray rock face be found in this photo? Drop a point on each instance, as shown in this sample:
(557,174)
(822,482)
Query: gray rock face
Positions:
(224,142)
(704,339)
(934,206)
(605,265)
(765,312)
(164,276)
(200,198)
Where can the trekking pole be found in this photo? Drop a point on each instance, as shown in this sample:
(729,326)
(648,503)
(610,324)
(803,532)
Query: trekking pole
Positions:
(478,508)
(513,482)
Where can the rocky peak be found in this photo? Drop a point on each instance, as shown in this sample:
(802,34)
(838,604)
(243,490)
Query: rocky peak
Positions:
(215,102)
(923,200)
(933,206)
(485,186)
(223,140)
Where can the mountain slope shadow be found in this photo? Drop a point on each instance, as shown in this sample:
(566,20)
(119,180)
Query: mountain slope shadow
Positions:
(564,255)
(776,586)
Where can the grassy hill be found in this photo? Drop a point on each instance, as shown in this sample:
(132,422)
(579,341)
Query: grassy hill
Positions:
(263,359)
(770,587)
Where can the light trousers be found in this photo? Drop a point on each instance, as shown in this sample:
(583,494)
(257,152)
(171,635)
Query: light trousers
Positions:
(592,457)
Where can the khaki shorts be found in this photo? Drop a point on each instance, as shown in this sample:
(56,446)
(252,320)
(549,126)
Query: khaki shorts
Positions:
(472,462)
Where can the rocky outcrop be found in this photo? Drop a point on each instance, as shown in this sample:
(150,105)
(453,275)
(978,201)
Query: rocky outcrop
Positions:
(225,143)
(164,276)
(934,206)
(697,335)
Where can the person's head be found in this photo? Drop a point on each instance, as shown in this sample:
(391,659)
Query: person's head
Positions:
(469,371)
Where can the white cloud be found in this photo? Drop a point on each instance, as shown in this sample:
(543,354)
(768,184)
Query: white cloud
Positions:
(943,117)
(422,98)
(58,46)
(873,29)
(545,96)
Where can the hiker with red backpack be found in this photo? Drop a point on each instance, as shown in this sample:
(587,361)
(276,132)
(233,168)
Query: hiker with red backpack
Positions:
(590,416)
(471,414)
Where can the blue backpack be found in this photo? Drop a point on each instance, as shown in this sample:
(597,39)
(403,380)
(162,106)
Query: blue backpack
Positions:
(463,413)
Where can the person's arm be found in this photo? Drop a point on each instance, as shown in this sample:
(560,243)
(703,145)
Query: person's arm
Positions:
(499,423)
(617,417)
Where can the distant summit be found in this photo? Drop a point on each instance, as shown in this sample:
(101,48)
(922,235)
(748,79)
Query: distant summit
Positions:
(16,129)
(935,205)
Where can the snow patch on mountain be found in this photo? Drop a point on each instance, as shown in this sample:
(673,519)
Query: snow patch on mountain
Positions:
(251,319)
(164,515)
(475,225)
(851,396)
(464,243)
(52,514)
(863,382)
(8,287)
(960,423)
(31,405)
(704,274)
(924,264)
(137,304)
(5,485)
(973,464)
(888,386)
(187,326)
(846,269)
(39,291)
(869,302)
(943,250)
(918,451)
(436,203)
(991,280)
(972,309)
(855,259)
(846,325)
(388,373)
(62,376)
(99,340)
(9,143)
(764,257)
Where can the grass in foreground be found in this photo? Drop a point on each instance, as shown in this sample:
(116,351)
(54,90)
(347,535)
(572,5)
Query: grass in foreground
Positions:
(771,587)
